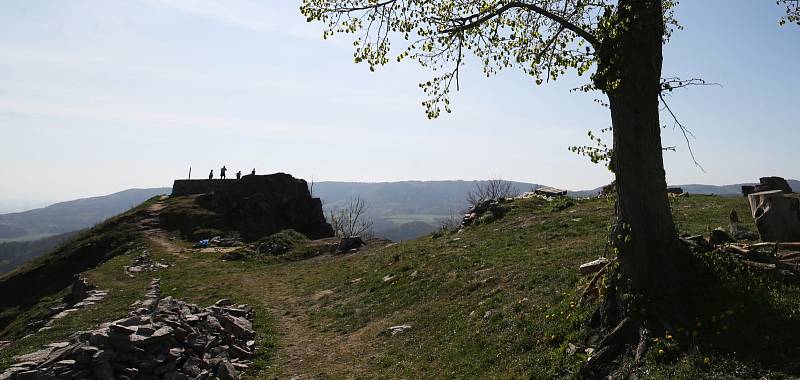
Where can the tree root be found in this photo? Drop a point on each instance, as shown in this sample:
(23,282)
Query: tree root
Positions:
(610,347)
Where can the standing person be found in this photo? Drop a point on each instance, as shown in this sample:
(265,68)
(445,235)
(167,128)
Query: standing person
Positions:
(211,174)
(253,172)
(222,172)
(239,174)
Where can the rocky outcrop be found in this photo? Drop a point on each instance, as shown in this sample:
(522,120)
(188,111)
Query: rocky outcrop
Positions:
(768,184)
(254,206)
(163,339)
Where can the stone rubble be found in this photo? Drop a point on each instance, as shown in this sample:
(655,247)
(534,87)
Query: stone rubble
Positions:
(485,211)
(144,263)
(163,338)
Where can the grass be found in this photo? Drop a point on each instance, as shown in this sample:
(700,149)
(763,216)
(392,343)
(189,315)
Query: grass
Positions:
(497,300)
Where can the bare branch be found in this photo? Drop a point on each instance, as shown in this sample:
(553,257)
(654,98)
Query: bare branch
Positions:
(686,132)
(351,220)
(669,84)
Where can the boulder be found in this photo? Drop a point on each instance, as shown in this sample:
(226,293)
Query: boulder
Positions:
(349,243)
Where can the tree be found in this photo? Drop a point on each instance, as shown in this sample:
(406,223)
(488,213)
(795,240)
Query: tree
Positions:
(352,219)
(621,40)
(792,11)
(495,188)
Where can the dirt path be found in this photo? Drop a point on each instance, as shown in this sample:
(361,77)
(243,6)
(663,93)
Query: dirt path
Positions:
(303,352)
(153,232)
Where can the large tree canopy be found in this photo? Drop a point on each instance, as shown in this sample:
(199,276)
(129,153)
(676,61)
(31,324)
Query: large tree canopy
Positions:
(544,38)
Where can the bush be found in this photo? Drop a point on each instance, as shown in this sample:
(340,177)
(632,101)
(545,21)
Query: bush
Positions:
(280,243)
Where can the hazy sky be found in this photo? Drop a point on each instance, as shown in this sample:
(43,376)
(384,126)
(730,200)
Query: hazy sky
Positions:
(99,96)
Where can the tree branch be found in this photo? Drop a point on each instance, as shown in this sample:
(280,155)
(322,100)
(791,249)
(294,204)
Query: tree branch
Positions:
(478,20)
(363,8)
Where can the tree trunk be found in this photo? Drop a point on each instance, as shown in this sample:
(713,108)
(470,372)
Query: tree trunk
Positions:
(650,255)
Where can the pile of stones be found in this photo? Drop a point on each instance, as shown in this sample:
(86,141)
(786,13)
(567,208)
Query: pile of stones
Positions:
(485,211)
(144,263)
(163,338)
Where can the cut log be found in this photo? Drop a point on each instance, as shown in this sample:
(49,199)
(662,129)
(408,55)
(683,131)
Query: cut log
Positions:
(777,215)
(762,266)
(771,246)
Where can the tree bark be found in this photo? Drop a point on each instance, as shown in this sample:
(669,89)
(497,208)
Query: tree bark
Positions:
(650,255)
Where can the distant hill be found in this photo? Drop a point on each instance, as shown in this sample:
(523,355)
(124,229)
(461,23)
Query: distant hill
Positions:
(408,209)
(72,215)
(15,253)
(734,190)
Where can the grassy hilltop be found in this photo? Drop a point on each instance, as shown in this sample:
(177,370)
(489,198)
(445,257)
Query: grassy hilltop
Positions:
(498,300)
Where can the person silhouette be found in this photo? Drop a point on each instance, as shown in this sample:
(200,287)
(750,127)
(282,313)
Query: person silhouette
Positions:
(211,174)
(239,174)
(222,172)
(253,172)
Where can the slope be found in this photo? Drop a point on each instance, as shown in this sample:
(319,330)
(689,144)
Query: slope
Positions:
(497,300)
(71,215)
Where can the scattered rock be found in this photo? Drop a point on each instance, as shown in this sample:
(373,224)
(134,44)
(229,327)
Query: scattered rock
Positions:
(144,263)
(398,329)
(163,338)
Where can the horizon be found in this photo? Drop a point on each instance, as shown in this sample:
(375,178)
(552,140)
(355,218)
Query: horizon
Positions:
(11,205)
(98,97)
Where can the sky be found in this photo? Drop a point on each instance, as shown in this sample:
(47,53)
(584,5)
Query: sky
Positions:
(104,95)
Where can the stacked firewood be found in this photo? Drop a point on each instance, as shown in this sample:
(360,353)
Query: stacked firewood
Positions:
(781,258)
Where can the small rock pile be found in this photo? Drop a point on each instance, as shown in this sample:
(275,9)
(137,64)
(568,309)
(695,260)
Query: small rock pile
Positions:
(144,263)
(485,211)
(163,338)
(273,247)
